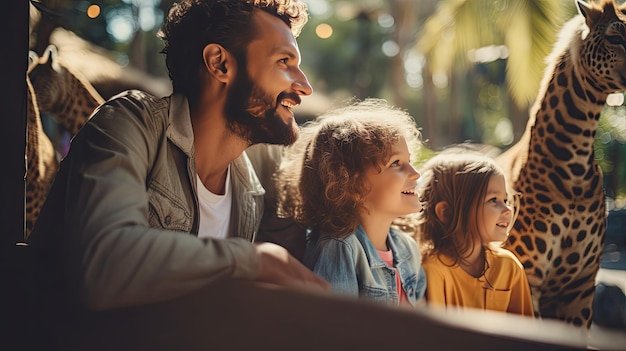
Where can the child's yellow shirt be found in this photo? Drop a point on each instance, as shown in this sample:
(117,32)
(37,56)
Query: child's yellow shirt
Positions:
(504,286)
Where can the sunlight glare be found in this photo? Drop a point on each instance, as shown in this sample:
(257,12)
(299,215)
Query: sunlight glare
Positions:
(615,99)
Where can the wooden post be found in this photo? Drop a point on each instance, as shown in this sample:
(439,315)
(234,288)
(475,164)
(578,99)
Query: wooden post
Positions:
(15,300)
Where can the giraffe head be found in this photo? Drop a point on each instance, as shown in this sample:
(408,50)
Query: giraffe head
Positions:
(48,79)
(62,91)
(603,48)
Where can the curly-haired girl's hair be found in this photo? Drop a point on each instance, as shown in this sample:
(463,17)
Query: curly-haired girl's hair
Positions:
(460,180)
(321,179)
(193,24)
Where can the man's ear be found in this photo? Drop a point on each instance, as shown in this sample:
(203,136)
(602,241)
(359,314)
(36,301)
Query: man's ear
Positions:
(442,210)
(217,61)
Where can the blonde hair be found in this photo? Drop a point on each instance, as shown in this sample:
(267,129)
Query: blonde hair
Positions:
(459,180)
(320,180)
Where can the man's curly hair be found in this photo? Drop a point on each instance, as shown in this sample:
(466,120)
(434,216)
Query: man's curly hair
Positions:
(193,24)
(321,179)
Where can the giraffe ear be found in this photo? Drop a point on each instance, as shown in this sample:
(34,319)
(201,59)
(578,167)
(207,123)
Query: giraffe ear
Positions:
(33,61)
(590,12)
(54,60)
(583,8)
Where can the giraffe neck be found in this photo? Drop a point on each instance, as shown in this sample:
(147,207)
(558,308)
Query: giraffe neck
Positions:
(71,116)
(565,119)
(64,94)
(34,127)
(40,154)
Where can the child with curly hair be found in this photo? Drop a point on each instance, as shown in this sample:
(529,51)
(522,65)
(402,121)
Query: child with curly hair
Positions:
(347,178)
(466,217)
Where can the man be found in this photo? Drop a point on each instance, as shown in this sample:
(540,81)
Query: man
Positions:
(156,198)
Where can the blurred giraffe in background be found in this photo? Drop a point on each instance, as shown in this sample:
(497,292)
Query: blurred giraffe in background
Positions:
(69,78)
(54,89)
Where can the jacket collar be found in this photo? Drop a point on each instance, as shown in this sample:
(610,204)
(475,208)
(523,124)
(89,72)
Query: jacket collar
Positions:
(180,132)
(400,253)
(243,170)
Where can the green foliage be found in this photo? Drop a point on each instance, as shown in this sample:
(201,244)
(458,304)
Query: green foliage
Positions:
(424,154)
(610,150)
(527,27)
(530,29)
(350,61)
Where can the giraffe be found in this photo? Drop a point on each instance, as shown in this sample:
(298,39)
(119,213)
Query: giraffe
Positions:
(559,233)
(41,162)
(62,91)
(55,89)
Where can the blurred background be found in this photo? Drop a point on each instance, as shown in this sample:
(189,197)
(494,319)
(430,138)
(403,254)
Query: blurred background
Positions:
(466,70)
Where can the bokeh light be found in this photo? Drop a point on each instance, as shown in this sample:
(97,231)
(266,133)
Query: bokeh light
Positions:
(93,11)
(324,30)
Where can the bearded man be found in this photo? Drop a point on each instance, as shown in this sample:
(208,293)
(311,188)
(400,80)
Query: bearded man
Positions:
(156,197)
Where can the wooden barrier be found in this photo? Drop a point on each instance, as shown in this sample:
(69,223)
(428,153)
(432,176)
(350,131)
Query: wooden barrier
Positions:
(237,315)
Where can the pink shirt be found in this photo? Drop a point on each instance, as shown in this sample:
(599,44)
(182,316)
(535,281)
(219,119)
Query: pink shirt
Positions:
(387,257)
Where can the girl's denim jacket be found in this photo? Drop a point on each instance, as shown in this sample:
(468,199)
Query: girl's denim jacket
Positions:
(353,267)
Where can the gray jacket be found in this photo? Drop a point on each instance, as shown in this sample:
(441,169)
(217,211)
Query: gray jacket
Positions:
(120,224)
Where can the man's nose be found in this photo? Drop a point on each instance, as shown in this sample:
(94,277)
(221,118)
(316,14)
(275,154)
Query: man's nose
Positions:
(301,84)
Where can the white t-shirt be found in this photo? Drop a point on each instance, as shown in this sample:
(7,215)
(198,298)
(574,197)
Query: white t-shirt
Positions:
(214,210)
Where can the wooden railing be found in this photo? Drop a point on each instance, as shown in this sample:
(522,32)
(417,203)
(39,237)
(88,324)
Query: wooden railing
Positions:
(238,315)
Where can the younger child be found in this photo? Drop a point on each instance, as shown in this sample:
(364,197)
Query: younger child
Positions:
(465,216)
(347,178)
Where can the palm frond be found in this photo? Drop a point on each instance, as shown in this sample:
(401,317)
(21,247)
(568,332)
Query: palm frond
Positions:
(527,27)
(452,31)
(530,28)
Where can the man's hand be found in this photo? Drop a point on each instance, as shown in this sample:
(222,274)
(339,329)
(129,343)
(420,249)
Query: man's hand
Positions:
(277,266)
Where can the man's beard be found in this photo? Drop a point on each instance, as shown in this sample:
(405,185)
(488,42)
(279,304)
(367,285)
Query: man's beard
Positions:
(251,113)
